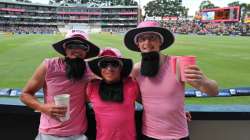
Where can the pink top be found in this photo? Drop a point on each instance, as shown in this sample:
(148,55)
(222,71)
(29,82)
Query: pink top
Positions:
(56,83)
(114,121)
(163,103)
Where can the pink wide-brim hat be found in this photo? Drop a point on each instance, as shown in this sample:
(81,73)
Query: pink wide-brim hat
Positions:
(77,35)
(130,39)
(111,53)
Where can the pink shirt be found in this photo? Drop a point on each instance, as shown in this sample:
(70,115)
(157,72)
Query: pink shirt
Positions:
(163,103)
(114,121)
(55,83)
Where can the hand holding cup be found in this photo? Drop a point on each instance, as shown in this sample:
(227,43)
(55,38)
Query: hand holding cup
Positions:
(184,63)
(63,100)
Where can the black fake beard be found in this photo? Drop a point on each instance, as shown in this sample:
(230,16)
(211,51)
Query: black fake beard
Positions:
(111,92)
(75,68)
(150,64)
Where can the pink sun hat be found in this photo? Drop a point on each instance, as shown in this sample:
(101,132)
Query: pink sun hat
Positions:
(80,37)
(78,33)
(109,54)
(166,36)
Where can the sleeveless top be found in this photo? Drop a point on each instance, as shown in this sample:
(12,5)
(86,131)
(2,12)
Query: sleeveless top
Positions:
(163,102)
(114,121)
(56,83)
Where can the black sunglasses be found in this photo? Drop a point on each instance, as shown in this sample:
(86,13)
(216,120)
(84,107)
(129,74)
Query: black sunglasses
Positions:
(112,63)
(75,45)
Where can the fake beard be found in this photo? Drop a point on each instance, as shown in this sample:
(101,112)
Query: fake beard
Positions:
(150,64)
(75,68)
(111,92)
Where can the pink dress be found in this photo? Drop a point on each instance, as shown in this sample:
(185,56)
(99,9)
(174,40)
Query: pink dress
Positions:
(56,83)
(114,121)
(163,103)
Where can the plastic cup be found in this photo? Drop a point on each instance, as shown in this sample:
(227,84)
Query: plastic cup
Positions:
(64,101)
(185,61)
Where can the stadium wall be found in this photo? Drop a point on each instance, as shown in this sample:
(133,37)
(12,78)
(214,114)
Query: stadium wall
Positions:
(20,122)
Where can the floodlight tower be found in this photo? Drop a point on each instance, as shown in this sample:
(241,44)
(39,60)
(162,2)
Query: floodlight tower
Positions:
(139,12)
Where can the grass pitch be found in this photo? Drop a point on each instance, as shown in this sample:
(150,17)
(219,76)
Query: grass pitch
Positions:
(223,58)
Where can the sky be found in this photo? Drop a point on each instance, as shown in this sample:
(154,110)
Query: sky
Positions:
(193,5)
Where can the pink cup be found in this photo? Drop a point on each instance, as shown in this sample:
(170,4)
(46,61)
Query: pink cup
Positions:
(184,61)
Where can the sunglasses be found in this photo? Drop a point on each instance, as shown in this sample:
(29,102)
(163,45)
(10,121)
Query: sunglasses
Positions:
(150,37)
(76,45)
(103,64)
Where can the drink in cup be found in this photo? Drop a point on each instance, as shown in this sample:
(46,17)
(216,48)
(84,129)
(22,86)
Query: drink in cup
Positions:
(185,61)
(63,100)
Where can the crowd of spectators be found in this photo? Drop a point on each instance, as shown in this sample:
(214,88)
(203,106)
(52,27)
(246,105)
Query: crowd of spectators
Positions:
(116,29)
(176,26)
(24,29)
(196,27)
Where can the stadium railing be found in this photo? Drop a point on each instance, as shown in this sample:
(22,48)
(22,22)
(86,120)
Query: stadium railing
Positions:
(238,91)
(16,92)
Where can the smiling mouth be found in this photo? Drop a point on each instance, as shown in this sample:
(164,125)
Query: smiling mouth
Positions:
(148,47)
(148,50)
(109,74)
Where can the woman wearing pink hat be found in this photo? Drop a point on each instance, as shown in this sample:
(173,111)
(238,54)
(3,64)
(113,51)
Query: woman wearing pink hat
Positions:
(68,74)
(113,96)
(162,94)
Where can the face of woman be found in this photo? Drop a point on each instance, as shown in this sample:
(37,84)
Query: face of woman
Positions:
(111,70)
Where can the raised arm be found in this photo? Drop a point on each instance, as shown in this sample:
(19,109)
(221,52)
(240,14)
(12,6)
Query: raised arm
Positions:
(197,79)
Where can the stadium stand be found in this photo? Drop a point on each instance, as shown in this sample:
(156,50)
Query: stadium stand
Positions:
(195,27)
(33,18)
